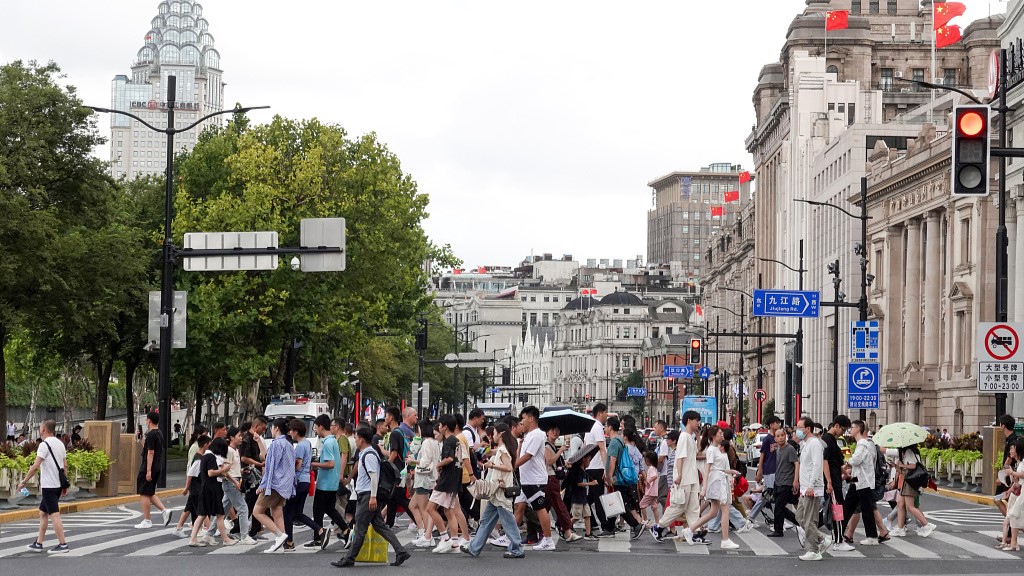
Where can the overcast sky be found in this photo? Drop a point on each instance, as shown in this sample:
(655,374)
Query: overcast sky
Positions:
(534,126)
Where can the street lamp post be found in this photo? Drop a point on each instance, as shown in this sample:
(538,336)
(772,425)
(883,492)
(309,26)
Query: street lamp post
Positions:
(793,396)
(742,334)
(168,258)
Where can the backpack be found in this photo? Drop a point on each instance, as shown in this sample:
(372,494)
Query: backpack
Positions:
(388,479)
(474,463)
(626,471)
(881,474)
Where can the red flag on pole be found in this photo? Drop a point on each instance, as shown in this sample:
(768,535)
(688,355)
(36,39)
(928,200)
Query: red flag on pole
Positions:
(717,211)
(837,20)
(947,35)
(744,177)
(943,13)
(733,196)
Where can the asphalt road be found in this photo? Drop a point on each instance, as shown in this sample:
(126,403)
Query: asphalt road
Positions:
(962,545)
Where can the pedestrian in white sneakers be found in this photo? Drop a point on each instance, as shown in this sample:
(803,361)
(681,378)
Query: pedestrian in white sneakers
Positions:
(908,459)
(149,473)
(811,480)
(50,461)
(277,485)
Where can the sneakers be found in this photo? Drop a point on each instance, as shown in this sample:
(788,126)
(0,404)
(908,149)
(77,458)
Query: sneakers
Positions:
(605,534)
(442,546)
(35,547)
(747,527)
(412,529)
(688,535)
(636,532)
(586,537)
(729,545)
(180,533)
(868,542)
(144,524)
(312,544)
(787,525)
(276,544)
(511,556)
(774,534)
(59,549)
(716,530)
(327,540)
(546,545)
(801,536)
(229,524)
(197,543)
(573,537)
(656,533)
(401,557)
(926,530)
(898,532)
(844,547)
(247,541)
(422,542)
(822,546)
(166,513)
(810,556)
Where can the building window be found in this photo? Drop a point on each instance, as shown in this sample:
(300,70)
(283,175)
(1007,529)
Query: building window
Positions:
(568,299)
(625,310)
(891,11)
(544,319)
(635,331)
(949,76)
(618,332)
(547,299)
(965,241)
(851,115)
(873,6)
(886,83)
(523,298)
(533,318)
(918,75)
(686,229)
(533,298)
(654,332)
(668,330)
(855,6)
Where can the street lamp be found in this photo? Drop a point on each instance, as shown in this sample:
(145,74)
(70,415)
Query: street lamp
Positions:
(862,304)
(794,391)
(168,256)
(742,317)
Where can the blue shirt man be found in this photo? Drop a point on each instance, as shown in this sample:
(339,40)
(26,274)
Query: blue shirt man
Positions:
(329,478)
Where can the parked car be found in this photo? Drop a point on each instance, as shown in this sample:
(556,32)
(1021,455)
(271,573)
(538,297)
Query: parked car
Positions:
(753,447)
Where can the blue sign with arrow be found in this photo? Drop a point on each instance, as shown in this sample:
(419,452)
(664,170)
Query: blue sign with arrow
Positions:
(677,371)
(787,303)
(636,392)
(862,385)
(705,372)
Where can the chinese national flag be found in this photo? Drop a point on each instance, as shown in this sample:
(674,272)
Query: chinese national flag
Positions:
(481,270)
(837,20)
(947,35)
(717,211)
(744,177)
(733,196)
(945,12)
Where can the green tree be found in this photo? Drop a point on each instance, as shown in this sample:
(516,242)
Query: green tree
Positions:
(52,194)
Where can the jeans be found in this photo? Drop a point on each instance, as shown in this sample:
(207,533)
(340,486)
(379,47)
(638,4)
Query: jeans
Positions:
(364,518)
(236,500)
(735,517)
(488,520)
(293,510)
(783,495)
(324,502)
(756,508)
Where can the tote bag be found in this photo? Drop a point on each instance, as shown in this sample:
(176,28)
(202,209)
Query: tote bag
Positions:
(374,549)
(612,504)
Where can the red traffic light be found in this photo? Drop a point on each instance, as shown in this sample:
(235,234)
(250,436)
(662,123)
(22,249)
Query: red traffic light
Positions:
(695,343)
(970,123)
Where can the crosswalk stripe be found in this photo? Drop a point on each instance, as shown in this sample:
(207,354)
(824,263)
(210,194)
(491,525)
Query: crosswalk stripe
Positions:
(52,541)
(694,550)
(146,535)
(613,545)
(761,544)
(991,533)
(161,548)
(973,547)
(909,550)
(850,554)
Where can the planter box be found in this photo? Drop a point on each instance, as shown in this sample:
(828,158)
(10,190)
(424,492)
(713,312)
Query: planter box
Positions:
(7,478)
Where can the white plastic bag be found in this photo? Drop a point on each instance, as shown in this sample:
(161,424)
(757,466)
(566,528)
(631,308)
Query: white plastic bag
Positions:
(612,504)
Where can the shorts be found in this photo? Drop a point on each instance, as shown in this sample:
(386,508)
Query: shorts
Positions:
(535,496)
(648,500)
(580,511)
(446,500)
(909,490)
(423,492)
(269,500)
(48,500)
(144,487)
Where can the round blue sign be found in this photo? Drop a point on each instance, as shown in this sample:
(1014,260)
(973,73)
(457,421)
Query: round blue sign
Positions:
(705,372)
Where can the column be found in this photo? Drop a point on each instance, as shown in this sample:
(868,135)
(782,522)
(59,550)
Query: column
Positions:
(932,290)
(912,301)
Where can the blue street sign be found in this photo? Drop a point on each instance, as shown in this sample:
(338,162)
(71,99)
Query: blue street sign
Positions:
(706,406)
(862,385)
(494,391)
(864,340)
(787,303)
(677,371)
(636,392)
(705,372)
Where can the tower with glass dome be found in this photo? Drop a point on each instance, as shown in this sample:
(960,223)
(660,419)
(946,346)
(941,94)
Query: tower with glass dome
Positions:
(178,44)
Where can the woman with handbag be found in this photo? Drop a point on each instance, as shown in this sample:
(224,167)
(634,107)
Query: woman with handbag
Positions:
(499,504)
(1015,503)
(908,464)
(717,484)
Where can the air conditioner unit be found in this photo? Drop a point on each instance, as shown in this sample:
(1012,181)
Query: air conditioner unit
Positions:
(905,90)
(898,74)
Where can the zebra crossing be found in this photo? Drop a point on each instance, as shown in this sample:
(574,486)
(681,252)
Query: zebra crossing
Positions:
(125,541)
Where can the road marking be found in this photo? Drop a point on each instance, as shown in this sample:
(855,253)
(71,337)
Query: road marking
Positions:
(761,544)
(837,554)
(966,516)
(613,544)
(695,550)
(909,550)
(53,542)
(987,552)
(162,548)
(146,535)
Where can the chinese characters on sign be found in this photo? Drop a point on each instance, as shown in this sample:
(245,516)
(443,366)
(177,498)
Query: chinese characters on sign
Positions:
(786,303)
(1001,377)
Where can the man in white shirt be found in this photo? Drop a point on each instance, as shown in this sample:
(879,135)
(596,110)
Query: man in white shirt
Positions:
(596,469)
(812,488)
(685,481)
(50,460)
(533,473)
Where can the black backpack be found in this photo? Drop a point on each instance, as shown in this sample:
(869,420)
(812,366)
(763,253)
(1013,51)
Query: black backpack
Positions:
(388,479)
(881,474)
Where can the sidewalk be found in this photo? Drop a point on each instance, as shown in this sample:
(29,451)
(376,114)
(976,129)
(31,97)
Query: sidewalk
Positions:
(69,505)
(972,497)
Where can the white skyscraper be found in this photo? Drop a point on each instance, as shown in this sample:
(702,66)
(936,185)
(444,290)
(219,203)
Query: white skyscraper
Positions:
(178,44)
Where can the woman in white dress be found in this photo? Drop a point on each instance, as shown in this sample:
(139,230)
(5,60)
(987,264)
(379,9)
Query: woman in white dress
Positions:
(717,488)
(1015,503)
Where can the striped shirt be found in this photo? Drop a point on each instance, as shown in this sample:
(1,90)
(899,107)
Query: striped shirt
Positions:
(279,468)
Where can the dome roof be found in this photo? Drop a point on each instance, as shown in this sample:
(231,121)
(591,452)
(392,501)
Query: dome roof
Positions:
(582,303)
(621,299)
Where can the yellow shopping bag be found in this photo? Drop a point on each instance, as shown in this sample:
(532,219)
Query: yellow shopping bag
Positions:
(374,549)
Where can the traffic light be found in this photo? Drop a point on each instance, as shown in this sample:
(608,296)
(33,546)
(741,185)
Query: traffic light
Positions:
(506,376)
(971,150)
(695,351)
(421,336)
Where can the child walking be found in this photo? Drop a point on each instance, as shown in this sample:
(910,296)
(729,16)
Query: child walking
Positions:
(650,497)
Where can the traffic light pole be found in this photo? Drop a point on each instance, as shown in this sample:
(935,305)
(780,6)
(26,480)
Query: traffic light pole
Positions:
(1002,242)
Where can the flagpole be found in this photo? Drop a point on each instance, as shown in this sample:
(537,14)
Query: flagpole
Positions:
(931,108)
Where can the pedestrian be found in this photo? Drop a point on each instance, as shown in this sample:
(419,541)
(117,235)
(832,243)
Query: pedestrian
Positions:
(621,476)
(193,488)
(766,462)
(533,474)
(51,460)
(277,485)
(860,498)
(579,483)
(685,489)
(833,462)
(446,492)
(252,452)
(717,487)
(294,508)
(232,485)
(340,430)
(199,430)
(666,461)
(328,480)
(396,451)
(367,509)
(909,456)
(177,432)
(12,431)
(596,469)
(1015,505)
(470,468)
(76,436)
(210,505)
(499,506)
(424,479)
(554,463)
(811,480)
(651,482)
(150,470)
(1007,423)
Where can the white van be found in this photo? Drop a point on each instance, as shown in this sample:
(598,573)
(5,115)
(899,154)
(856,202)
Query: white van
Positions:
(305,407)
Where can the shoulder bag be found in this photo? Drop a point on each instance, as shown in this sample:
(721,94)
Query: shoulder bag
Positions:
(64,483)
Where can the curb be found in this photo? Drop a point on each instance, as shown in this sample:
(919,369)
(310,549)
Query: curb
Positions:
(982,499)
(81,506)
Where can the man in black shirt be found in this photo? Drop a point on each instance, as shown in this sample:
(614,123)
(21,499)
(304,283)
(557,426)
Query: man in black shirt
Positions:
(149,473)
(250,453)
(833,458)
